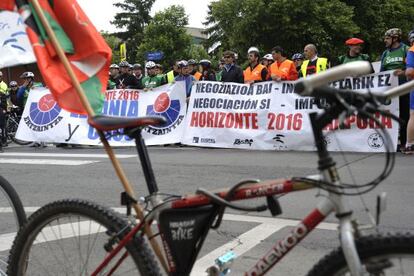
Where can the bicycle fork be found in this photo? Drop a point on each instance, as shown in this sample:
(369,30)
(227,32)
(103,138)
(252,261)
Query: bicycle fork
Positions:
(347,234)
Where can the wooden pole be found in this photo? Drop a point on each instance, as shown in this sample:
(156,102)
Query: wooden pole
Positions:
(115,163)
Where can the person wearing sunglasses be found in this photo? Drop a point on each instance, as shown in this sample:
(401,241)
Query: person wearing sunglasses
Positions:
(231,72)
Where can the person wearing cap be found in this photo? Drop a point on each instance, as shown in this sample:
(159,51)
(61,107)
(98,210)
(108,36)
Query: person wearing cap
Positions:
(355,51)
(313,63)
(184,75)
(298,60)
(192,67)
(125,79)
(255,72)
(393,58)
(282,69)
(152,80)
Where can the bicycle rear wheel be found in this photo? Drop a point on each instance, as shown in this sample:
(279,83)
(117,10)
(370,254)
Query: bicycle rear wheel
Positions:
(72,237)
(390,254)
(12,216)
(12,124)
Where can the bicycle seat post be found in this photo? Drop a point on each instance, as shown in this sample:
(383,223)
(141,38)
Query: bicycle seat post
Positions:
(145,161)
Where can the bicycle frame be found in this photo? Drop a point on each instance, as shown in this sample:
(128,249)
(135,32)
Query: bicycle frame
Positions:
(332,203)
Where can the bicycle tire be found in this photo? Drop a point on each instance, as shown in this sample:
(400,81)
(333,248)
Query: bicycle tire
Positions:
(375,252)
(27,243)
(10,224)
(11,127)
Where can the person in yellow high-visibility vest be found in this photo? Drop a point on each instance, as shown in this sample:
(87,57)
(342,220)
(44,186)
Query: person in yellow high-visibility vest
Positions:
(313,64)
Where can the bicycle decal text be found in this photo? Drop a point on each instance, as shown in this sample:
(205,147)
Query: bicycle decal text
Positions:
(182,230)
(278,251)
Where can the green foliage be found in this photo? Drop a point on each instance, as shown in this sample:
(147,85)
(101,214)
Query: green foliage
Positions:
(133,19)
(113,43)
(166,32)
(239,24)
(198,52)
(374,17)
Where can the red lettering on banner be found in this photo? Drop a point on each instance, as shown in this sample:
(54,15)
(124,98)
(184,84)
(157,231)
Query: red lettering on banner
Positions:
(224,120)
(361,123)
(194,119)
(281,121)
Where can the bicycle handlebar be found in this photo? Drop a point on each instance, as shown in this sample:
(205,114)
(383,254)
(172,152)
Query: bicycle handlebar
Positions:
(399,90)
(306,86)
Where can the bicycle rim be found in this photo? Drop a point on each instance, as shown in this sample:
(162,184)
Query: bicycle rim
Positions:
(12,217)
(72,240)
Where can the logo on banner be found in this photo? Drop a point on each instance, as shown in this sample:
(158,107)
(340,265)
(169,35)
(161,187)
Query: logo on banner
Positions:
(279,139)
(243,142)
(44,114)
(169,109)
(375,141)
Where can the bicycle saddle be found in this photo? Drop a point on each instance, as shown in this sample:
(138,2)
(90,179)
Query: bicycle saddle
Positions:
(107,123)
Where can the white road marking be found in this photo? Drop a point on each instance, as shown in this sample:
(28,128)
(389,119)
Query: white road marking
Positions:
(46,162)
(65,155)
(249,239)
(56,232)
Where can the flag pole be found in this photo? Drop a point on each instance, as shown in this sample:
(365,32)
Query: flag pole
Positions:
(117,166)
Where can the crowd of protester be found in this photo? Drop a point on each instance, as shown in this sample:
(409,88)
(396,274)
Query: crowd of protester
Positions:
(275,66)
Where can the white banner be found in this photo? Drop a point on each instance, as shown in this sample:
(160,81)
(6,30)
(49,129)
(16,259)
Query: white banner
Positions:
(15,47)
(44,121)
(270,116)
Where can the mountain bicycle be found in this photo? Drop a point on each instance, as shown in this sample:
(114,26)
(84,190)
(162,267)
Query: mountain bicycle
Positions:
(12,216)
(74,236)
(12,123)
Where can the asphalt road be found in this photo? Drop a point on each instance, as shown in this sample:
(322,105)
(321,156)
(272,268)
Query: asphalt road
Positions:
(44,175)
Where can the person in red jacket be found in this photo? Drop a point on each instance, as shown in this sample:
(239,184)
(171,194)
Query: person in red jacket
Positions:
(283,68)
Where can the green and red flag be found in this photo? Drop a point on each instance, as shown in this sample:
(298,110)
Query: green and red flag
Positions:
(85,48)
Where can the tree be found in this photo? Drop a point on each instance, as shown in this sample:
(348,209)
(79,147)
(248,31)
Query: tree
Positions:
(113,43)
(239,24)
(133,19)
(167,33)
(198,52)
(374,17)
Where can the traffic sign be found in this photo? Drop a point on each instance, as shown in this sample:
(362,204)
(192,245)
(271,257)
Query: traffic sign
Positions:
(156,55)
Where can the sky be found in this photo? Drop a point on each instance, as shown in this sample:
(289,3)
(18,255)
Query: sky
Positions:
(102,15)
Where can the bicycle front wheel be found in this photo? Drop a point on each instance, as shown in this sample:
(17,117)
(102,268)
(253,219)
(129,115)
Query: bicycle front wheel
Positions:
(12,217)
(72,237)
(390,254)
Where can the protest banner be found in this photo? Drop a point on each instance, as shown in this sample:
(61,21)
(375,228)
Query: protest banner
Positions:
(270,116)
(15,45)
(44,121)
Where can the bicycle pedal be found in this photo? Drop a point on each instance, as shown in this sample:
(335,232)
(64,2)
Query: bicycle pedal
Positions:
(222,264)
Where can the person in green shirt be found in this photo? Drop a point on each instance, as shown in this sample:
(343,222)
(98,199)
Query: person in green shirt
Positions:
(393,58)
(152,80)
(355,51)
